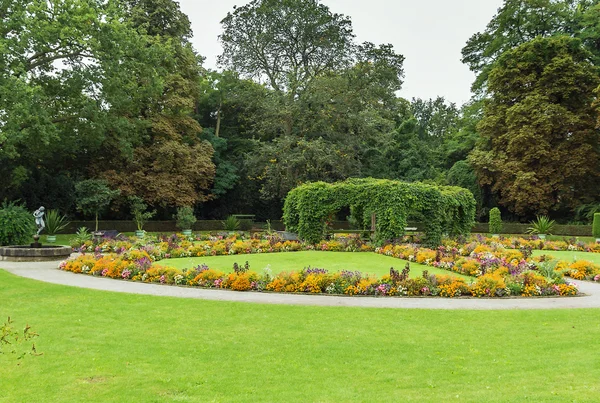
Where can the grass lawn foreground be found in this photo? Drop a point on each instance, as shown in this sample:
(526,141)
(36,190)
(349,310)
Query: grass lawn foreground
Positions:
(102,346)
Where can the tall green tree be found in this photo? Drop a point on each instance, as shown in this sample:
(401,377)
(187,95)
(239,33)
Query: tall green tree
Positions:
(540,148)
(286,43)
(517,22)
(71,73)
(171,143)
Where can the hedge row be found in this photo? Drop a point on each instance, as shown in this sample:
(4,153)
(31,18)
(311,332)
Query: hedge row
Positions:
(216,225)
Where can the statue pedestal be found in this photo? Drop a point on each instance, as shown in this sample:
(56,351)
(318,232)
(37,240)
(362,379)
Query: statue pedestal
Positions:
(36,242)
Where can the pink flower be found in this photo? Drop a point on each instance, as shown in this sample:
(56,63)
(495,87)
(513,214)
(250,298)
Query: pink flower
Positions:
(162,279)
(104,272)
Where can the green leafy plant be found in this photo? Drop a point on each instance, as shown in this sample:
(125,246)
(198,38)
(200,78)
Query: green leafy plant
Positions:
(448,209)
(587,212)
(547,268)
(596,226)
(541,225)
(55,222)
(11,340)
(93,196)
(495,222)
(185,218)
(81,236)
(140,215)
(231,223)
(17,225)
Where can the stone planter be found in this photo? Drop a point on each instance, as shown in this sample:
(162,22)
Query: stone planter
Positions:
(140,233)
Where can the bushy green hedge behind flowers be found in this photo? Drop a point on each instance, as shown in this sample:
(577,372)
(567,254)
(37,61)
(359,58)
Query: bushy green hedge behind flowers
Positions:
(448,209)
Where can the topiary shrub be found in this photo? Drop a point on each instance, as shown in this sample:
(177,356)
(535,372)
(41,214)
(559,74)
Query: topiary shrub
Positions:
(449,209)
(596,226)
(17,225)
(495,223)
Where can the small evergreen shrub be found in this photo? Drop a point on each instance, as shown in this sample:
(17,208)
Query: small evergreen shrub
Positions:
(17,225)
(596,226)
(495,223)
(185,218)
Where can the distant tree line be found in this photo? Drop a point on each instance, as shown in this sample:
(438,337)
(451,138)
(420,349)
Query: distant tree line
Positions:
(113,90)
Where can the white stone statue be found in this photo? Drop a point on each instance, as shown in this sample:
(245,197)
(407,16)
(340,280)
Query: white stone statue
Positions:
(39,219)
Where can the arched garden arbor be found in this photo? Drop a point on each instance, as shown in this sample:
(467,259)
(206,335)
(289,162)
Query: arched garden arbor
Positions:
(445,209)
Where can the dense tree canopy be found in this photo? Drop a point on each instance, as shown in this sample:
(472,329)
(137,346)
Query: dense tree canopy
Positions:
(113,90)
(540,148)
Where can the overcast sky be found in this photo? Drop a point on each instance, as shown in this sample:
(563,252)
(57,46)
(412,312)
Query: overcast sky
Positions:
(429,33)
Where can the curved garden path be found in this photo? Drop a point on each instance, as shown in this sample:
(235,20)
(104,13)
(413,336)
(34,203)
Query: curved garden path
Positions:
(48,272)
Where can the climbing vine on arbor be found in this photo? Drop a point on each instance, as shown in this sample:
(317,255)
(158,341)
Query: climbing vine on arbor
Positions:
(444,209)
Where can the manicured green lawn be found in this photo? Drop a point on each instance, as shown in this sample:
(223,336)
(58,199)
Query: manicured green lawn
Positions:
(364,262)
(110,347)
(570,256)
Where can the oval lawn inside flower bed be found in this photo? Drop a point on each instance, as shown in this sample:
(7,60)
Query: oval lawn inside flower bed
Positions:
(569,256)
(364,262)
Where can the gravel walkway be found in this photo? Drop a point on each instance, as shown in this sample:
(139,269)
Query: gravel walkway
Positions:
(48,272)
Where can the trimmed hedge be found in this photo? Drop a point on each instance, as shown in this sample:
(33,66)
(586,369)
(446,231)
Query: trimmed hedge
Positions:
(516,228)
(596,226)
(495,222)
(449,209)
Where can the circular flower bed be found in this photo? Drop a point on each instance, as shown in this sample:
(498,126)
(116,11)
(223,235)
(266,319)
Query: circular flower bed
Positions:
(499,271)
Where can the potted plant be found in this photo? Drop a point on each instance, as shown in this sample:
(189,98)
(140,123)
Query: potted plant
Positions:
(495,223)
(185,219)
(140,215)
(55,223)
(541,226)
(596,227)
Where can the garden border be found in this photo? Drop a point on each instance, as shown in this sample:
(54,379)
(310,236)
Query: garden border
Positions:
(48,272)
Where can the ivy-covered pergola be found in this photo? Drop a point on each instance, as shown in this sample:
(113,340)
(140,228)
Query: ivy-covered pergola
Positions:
(443,209)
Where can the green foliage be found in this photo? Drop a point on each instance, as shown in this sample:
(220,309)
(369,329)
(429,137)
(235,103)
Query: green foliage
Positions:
(495,223)
(138,209)
(17,225)
(462,175)
(517,22)
(261,39)
(185,218)
(447,209)
(541,225)
(81,236)
(538,131)
(231,223)
(586,212)
(55,222)
(547,268)
(11,340)
(94,196)
(596,226)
